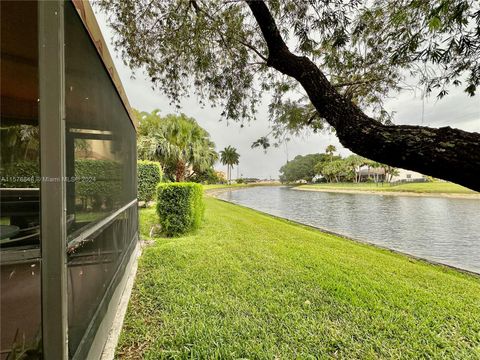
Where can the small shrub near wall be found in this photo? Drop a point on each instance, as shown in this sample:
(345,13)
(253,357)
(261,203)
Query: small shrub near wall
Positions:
(149,175)
(180,207)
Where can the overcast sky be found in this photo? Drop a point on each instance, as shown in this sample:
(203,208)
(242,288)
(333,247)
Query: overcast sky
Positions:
(456,110)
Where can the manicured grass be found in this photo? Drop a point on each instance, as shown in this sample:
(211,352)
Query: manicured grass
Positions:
(429,187)
(248,285)
(433,187)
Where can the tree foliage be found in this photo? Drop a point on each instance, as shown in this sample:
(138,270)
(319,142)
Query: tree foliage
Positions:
(208,176)
(330,168)
(149,175)
(180,207)
(330,150)
(177,141)
(19,142)
(350,56)
(365,49)
(302,167)
(348,169)
(262,142)
(338,171)
(230,157)
(355,162)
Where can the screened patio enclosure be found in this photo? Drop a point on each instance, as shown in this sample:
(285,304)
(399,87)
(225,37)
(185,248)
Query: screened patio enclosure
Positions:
(68,207)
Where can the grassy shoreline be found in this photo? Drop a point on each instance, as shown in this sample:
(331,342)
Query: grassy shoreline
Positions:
(414,189)
(437,189)
(253,286)
(235,186)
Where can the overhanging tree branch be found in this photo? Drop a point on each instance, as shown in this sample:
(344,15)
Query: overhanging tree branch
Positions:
(446,153)
(244,43)
(251,47)
(357,82)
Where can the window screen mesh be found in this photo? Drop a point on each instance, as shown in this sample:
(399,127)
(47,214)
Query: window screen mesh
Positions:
(101,173)
(20,265)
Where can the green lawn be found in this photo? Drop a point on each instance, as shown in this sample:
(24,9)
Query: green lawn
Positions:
(429,187)
(248,285)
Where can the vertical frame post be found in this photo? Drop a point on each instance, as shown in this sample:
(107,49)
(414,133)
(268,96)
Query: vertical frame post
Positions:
(52,165)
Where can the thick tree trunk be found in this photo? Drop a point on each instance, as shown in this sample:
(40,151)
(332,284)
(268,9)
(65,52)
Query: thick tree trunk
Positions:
(446,153)
(180,171)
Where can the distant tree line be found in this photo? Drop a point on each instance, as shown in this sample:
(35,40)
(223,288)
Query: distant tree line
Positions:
(328,167)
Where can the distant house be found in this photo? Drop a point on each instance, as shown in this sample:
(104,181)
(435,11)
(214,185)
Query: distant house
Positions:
(408,175)
(221,175)
(375,174)
(379,175)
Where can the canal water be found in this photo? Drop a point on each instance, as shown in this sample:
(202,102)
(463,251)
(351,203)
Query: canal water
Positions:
(444,230)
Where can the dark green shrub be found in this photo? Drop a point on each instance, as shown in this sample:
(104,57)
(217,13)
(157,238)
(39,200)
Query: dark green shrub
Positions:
(21,174)
(149,174)
(180,207)
(98,182)
(208,176)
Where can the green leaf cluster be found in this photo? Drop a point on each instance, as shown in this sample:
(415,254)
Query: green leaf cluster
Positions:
(177,142)
(302,167)
(330,167)
(149,175)
(336,170)
(230,157)
(93,178)
(180,207)
(20,174)
(367,50)
(98,181)
(209,176)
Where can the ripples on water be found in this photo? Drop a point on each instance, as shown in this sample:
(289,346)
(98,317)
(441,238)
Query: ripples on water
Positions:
(445,230)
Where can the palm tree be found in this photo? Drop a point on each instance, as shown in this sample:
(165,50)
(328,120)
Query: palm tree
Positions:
(390,172)
(330,150)
(177,141)
(19,142)
(229,157)
(376,166)
(356,162)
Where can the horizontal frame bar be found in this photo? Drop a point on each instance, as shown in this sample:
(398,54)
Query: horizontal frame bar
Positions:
(98,226)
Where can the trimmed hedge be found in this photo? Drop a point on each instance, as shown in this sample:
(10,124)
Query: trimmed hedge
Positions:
(98,177)
(180,207)
(149,174)
(21,174)
(98,182)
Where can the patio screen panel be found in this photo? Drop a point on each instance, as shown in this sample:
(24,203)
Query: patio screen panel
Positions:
(20,255)
(101,185)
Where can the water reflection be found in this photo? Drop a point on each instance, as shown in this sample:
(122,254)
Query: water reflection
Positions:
(440,229)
